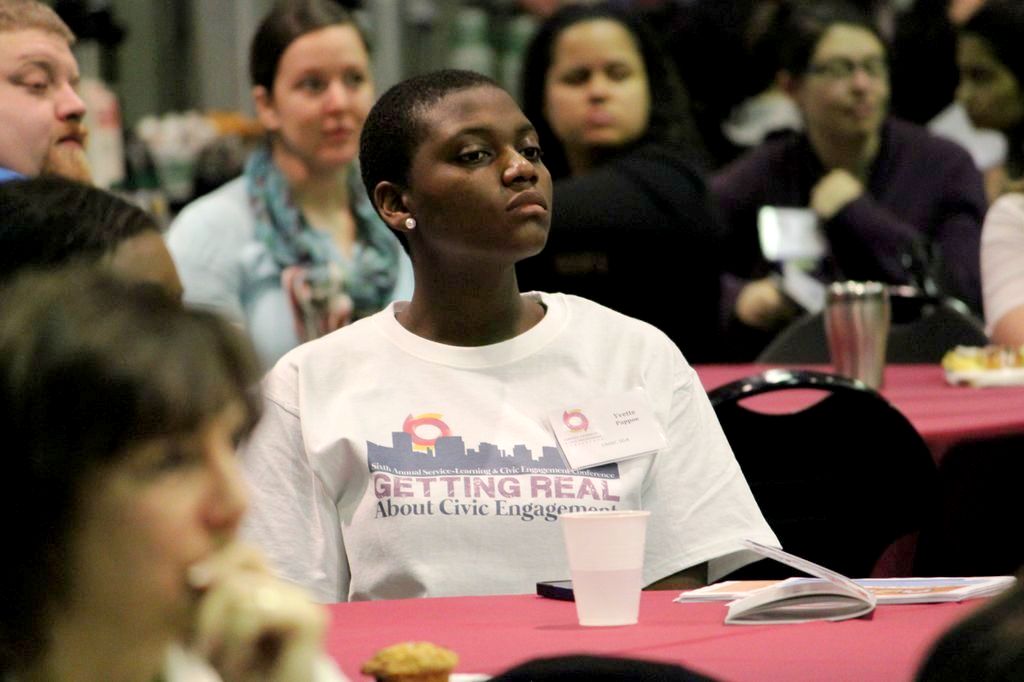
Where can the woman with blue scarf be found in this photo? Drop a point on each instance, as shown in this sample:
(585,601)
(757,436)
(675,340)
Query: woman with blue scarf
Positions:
(293,249)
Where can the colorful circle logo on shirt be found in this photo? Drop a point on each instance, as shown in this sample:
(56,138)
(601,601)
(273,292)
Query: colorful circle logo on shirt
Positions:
(425,429)
(575,420)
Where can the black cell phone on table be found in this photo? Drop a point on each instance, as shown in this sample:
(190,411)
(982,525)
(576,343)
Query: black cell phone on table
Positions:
(556,589)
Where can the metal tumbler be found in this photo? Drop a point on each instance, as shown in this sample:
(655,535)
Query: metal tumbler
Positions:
(857,319)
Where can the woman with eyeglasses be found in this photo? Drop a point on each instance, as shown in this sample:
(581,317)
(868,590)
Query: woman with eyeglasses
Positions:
(894,203)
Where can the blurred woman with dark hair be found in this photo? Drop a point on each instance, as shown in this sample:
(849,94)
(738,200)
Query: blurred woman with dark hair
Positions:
(293,249)
(632,224)
(991,59)
(120,413)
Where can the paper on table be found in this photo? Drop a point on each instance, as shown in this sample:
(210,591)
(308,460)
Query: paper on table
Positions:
(886,590)
(933,590)
(799,603)
(835,597)
(830,595)
(727,590)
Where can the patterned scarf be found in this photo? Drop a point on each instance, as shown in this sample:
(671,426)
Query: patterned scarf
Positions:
(327,290)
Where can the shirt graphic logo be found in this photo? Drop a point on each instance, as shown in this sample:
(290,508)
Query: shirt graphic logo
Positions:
(429,470)
(575,420)
(424,430)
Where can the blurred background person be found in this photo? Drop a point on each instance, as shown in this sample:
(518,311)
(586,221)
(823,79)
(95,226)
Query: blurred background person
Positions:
(724,53)
(991,60)
(990,57)
(895,204)
(631,226)
(923,70)
(68,160)
(41,113)
(292,249)
(766,109)
(923,75)
(121,412)
(1002,269)
(50,221)
(982,647)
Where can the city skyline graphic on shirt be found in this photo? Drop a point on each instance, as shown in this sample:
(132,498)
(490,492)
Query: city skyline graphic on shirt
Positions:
(448,454)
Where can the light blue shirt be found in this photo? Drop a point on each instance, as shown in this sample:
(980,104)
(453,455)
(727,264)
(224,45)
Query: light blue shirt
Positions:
(225,268)
(7,174)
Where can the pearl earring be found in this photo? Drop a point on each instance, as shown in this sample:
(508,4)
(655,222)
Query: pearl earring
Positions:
(410,223)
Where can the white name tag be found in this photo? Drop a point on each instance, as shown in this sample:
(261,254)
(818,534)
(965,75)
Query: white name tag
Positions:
(607,430)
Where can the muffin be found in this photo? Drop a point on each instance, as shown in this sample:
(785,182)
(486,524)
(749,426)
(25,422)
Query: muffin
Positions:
(411,662)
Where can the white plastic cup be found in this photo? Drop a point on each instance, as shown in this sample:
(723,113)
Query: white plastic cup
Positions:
(606,559)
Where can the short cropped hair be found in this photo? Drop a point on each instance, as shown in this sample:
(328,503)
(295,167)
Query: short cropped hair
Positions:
(91,367)
(47,221)
(394,127)
(22,15)
(285,23)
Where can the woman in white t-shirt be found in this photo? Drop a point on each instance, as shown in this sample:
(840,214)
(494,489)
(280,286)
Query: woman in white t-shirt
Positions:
(120,412)
(413,452)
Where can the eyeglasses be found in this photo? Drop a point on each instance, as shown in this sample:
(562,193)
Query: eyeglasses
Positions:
(841,68)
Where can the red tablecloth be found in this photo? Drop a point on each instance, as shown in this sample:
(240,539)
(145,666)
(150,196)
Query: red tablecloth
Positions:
(491,634)
(944,415)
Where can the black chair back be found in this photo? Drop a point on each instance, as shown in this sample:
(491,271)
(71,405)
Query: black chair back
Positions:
(838,481)
(979,484)
(923,329)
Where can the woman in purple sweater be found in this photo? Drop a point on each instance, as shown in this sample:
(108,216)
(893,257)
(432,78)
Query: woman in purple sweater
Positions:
(895,204)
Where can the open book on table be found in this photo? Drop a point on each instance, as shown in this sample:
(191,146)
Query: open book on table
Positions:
(829,595)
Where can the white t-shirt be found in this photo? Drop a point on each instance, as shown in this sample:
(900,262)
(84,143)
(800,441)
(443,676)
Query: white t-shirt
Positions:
(1002,258)
(390,466)
(987,147)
